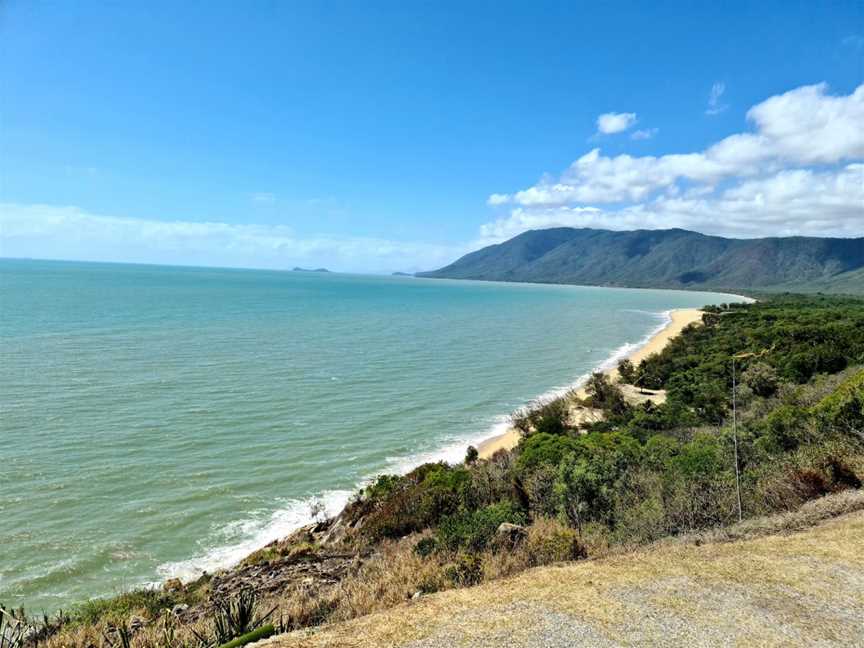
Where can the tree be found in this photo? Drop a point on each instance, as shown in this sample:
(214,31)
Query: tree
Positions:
(761,378)
(604,395)
(627,371)
(471,455)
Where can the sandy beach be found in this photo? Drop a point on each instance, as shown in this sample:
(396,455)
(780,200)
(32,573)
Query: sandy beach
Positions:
(679,319)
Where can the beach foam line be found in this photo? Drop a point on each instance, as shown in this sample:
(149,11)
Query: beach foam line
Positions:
(252,534)
(257,532)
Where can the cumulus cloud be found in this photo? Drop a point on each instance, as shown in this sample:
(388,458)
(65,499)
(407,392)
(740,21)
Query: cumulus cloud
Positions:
(644,133)
(51,232)
(797,170)
(611,123)
(498,199)
(714,105)
(785,203)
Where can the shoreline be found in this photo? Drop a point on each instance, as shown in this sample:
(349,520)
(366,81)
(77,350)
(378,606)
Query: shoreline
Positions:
(278,526)
(283,522)
(679,318)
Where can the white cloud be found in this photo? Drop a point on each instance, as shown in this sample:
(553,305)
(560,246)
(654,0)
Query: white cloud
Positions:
(809,126)
(51,232)
(644,134)
(714,105)
(788,202)
(498,199)
(785,176)
(611,123)
(803,126)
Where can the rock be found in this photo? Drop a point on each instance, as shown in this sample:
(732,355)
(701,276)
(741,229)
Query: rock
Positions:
(136,623)
(179,609)
(335,532)
(508,528)
(173,585)
(416,595)
(511,533)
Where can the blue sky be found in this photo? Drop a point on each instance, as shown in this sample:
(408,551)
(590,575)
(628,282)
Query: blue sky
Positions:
(394,136)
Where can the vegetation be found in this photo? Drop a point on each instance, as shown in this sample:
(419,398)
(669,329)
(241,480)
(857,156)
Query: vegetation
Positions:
(667,259)
(639,473)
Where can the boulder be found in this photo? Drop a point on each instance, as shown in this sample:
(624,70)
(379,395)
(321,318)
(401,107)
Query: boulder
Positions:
(136,623)
(511,533)
(173,585)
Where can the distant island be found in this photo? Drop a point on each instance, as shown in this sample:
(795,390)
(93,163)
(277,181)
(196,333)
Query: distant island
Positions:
(402,274)
(672,258)
(299,269)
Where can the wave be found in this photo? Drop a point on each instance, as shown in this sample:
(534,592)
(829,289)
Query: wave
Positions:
(243,537)
(246,536)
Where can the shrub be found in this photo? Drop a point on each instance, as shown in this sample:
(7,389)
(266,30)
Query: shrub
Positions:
(149,602)
(761,378)
(540,489)
(491,481)
(810,472)
(602,394)
(784,429)
(382,486)
(418,501)
(467,570)
(471,455)
(639,510)
(426,546)
(473,530)
(699,485)
(550,417)
(844,409)
(549,541)
(543,449)
(627,371)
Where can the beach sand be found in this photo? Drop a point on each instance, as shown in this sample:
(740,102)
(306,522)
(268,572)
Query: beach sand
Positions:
(679,319)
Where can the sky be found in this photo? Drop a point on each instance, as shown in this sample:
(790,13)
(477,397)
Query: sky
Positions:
(393,136)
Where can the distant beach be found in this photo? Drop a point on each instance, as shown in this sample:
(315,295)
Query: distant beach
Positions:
(678,320)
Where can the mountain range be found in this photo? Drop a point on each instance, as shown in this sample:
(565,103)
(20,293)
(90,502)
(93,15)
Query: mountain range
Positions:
(672,258)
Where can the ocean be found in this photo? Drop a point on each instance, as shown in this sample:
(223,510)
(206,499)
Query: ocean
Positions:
(160,421)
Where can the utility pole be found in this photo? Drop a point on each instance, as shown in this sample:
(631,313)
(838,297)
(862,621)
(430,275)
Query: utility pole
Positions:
(735,440)
(739,356)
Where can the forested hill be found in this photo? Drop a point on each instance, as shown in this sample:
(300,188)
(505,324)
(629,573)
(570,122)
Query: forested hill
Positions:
(673,258)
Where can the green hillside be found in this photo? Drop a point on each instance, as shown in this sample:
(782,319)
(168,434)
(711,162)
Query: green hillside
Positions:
(672,258)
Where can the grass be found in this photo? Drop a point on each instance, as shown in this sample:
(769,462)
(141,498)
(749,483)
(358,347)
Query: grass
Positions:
(809,590)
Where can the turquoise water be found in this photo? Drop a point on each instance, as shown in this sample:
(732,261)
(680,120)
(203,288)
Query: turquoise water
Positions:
(157,421)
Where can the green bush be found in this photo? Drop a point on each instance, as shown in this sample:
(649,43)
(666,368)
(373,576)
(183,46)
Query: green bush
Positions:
(627,371)
(418,501)
(543,449)
(382,486)
(549,542)
(426,546)
(602,394)
(783,429)
(473,530)
(549,417)
(467,570)
(844,409)
(471,455)
(588,477)
(761,378)
(149,601)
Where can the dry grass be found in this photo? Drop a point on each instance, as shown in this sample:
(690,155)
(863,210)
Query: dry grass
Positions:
(801,588)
